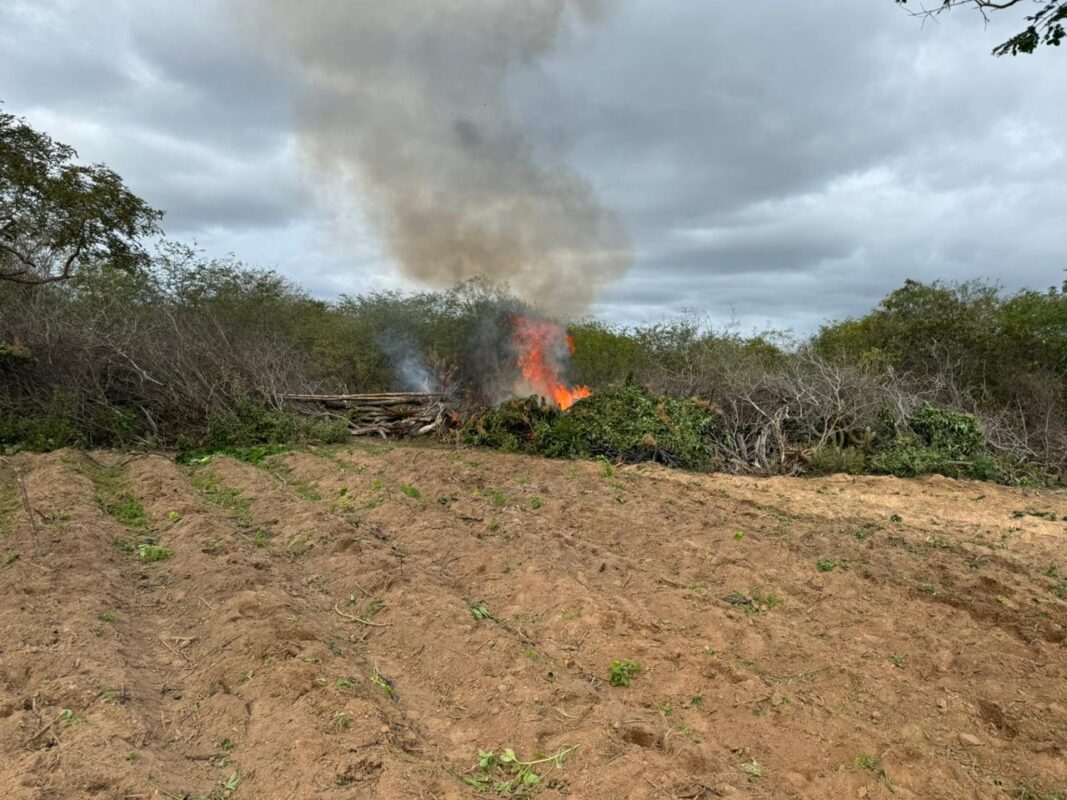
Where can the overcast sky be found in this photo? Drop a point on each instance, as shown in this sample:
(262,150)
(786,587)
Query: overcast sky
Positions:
(781,163)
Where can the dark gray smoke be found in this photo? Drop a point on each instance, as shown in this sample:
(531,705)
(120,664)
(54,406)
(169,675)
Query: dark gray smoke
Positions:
(404,102)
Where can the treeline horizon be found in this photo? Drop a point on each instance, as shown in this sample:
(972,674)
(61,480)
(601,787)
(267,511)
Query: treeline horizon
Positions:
(187,352)
(105,343)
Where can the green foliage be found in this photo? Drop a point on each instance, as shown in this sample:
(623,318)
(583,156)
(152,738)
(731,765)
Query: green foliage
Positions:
(385,684)
(955,434)
(623,672)
(831,459)
(943,442)
(190,353)
(624,423)
(249,455)
(59,215)
(51,427)
(507,774)
(480,611)
(152,552)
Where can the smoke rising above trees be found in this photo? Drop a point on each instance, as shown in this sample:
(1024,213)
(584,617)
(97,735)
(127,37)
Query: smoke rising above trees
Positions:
(404,106)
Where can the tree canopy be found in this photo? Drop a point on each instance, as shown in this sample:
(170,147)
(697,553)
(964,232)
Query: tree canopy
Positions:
(57,215)
(1045,26)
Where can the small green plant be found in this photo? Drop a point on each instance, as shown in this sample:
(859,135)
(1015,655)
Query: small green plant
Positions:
(127,510)
(153,552)
(10,559)
(866,761)
(767,601)
(536,503)
(621,673)
(226,745)
(385,684)
(606,468)
(751,768)
(863,533)
(898,660)
(307,491)
(260,538)
(826,564)
(56,517)
(230,784)
(229,499)
(480,611)
(665,708)
(739,535)
(108,616)
(497,498)
(343,683)
(174,516)
(377,484)
(410,491)
(507,774)
(340,721)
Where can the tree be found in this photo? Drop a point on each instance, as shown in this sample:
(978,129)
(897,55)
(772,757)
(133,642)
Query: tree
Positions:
(57,215)
(1046,25)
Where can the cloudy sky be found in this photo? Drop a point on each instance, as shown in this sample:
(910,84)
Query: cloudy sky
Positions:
(778,163)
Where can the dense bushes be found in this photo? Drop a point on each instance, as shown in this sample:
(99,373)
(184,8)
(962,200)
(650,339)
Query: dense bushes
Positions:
(104,344)
(196,353)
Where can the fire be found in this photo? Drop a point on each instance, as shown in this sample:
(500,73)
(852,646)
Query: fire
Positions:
(544,347)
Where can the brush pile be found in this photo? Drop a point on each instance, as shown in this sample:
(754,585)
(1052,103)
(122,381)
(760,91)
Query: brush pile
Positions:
(390,414)
(623,424)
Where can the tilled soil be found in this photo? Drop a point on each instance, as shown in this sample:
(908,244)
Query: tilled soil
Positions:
(359,622)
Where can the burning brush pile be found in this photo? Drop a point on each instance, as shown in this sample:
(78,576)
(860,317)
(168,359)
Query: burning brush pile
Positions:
(624,423)
(520,402)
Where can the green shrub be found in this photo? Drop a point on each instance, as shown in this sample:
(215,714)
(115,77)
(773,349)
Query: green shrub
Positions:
(625,423)
(944,442)
(953,433)
(48,428)
(831,459)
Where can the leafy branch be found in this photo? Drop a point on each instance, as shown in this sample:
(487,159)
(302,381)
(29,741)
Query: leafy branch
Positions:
(507,774)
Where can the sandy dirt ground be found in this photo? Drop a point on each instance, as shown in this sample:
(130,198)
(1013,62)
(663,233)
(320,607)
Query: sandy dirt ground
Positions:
(359,622)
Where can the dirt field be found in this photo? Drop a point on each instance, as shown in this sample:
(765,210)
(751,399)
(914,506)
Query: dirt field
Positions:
(358,622)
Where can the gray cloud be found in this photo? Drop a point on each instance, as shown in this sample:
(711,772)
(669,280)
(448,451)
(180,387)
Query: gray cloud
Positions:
(789,163)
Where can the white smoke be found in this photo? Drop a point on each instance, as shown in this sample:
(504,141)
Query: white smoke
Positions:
(404,103)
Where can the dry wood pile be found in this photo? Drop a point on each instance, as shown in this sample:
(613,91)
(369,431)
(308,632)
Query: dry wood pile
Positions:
(390,414)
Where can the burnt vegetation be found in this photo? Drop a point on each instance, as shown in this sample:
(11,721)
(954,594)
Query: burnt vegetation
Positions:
(127,346)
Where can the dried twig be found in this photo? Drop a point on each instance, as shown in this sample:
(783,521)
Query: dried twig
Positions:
(360,620)
(47,727)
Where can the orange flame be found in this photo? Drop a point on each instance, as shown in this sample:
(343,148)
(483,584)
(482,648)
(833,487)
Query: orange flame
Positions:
(542,344)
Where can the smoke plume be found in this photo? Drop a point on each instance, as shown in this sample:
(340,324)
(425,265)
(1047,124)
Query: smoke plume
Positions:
(404,103)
